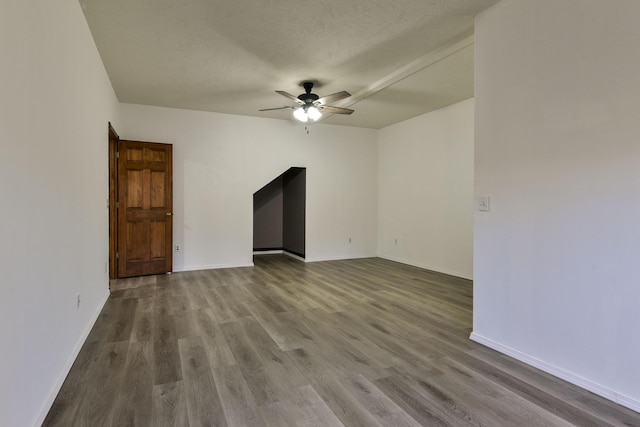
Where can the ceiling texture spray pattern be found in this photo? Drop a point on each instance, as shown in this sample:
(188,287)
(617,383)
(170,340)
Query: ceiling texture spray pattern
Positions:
(398,58)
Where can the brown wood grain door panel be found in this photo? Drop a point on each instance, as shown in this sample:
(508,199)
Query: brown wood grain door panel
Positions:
(145,221)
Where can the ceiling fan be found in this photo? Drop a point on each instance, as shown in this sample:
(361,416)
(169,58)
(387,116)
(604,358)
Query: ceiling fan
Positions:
(311,106)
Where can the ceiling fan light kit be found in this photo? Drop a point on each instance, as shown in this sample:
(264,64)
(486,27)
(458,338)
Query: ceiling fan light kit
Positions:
(300,114)
(305,113)
(313,113)
(311,106)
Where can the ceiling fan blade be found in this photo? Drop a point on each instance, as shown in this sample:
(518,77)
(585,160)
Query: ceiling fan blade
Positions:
(276,108)
(291,97)
(335,110)
(332,98)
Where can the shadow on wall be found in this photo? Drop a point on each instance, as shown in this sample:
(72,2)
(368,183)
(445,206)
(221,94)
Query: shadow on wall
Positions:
(279,214)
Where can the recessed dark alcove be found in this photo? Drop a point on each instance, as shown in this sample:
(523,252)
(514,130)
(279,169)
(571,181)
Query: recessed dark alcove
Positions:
(279,214)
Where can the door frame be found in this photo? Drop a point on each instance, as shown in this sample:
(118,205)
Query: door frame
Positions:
(114,139)
(114,170)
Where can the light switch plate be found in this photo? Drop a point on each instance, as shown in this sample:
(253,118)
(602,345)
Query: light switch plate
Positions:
(483,203)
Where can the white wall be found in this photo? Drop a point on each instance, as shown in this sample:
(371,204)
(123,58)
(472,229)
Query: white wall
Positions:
(55,103)
(426,191)
(557,276)
(220,160)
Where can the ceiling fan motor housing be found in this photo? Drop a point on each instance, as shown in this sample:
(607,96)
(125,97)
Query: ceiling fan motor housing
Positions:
(308,97)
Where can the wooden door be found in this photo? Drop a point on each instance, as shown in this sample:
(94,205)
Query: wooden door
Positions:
(145,222)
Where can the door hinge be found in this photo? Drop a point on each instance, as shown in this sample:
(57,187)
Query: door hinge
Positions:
(117,205)
(117,255)
(117,154)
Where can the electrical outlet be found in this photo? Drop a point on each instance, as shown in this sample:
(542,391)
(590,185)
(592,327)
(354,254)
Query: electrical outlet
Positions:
(178,248)
(78,300)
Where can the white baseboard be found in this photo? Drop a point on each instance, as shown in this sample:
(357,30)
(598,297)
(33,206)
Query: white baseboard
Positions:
(428,267)
(339,258)
(294,256)
(584,383)
(67,366)
(211,267)
(280,251)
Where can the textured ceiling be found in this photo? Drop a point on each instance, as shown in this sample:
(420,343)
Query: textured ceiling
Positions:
(398,59)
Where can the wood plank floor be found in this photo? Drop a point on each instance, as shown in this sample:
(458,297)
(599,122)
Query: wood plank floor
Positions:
(362,342)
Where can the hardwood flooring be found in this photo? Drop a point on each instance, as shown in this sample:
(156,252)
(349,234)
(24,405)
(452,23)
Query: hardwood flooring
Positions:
(364,342)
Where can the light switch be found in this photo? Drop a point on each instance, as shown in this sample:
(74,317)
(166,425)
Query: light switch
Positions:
(483,203)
